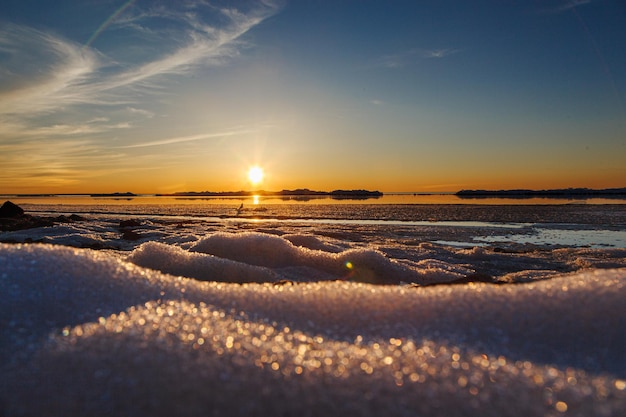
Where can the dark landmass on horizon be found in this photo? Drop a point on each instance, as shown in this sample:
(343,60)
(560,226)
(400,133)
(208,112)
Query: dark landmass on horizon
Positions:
(284,193)
(126,194)
(570,193)
(565,193)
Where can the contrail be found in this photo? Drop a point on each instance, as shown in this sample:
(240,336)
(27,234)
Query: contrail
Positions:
(108,22)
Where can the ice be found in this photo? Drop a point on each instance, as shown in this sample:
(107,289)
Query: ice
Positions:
(85,332)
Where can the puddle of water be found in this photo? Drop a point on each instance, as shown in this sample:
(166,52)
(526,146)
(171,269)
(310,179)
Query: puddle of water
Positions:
(364,222)
(564,237)
(458,244)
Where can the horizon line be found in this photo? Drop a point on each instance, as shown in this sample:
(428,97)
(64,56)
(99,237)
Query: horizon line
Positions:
(304,191)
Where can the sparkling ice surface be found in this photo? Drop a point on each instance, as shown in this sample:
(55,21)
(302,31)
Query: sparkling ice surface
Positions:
(87,333)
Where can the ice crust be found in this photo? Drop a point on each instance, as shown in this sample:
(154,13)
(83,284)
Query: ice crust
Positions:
(86,332)
(424,254)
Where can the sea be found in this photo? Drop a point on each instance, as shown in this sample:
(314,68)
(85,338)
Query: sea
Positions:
(409,304)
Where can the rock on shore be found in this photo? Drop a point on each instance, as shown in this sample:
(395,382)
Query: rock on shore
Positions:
(13,217)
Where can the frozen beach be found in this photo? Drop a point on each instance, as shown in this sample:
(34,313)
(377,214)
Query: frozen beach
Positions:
(295,308)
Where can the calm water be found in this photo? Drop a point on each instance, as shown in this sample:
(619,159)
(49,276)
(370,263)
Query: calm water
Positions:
(391,198)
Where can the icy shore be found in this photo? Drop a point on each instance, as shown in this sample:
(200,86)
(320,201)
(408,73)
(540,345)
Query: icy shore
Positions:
(86,332)
(315,310)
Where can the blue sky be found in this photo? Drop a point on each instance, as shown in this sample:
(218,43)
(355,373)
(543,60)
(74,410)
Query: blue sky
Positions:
(156,96)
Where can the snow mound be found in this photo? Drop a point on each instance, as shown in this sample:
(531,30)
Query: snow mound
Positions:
(177,261)
(361,265)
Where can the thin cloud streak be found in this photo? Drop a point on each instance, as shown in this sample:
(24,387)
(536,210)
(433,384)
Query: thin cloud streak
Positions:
(191,138)
(439,53)
(146,113)
(405,58)
(209,46)
(63,162)
(90,127)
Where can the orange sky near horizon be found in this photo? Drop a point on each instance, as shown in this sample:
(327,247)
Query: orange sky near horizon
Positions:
(148,182)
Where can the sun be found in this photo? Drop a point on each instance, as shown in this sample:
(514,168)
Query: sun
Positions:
(255,175)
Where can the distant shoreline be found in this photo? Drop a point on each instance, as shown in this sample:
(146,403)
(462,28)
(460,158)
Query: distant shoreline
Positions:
(305,192)
(577,193)
(126,194)
(562,193)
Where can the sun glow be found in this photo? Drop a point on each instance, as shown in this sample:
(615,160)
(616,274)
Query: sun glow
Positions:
(255,175)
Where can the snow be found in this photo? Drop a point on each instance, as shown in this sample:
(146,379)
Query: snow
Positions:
(363,265)
(87,332)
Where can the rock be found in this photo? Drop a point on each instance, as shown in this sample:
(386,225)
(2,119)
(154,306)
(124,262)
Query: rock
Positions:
(23,222)
(12,217)
(65,219)
(131,235)
(129,223)
(126,227)
(9,210)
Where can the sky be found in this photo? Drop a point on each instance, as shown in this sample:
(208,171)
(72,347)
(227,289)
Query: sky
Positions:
(163,96)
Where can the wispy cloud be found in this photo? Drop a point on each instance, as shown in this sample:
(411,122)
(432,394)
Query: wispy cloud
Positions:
(404,58)
(65,73)
(74,129)
(438,53)
(190,138)
(196,43)
(146,113)
(45,71)
(18,130)
(60,162)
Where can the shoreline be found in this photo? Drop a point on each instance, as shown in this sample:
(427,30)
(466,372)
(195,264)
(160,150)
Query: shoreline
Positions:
(561,193)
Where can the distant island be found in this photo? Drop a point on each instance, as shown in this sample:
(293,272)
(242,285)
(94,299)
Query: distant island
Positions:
(300,192)
(575,193)
(126,194)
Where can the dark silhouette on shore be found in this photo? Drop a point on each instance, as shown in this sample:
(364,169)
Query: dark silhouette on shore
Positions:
(126,194)
(13,217)
(284,193)
(569,193)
